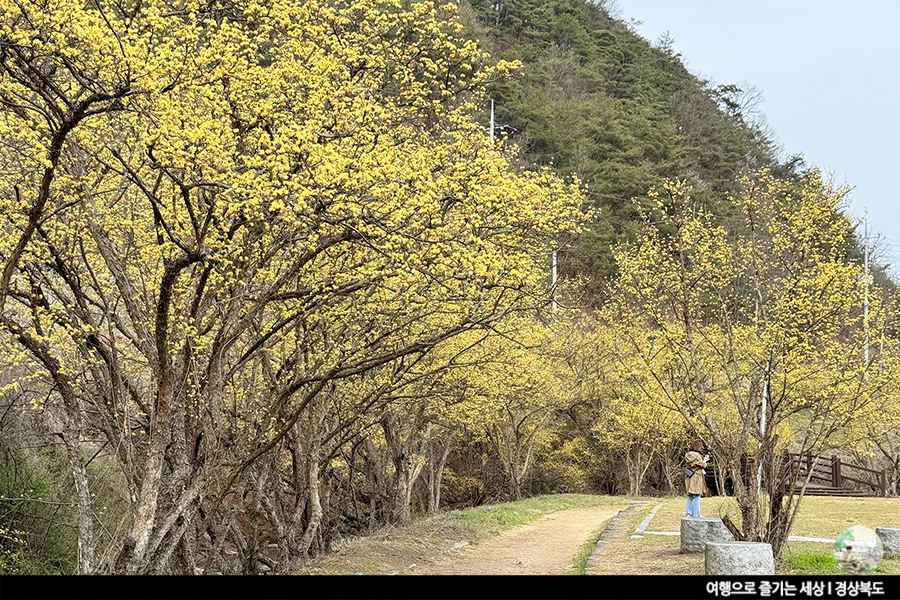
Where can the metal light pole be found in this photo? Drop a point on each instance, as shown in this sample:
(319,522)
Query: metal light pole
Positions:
(492,121)
(553,276)
(762,428)
(866,296)
(553,283)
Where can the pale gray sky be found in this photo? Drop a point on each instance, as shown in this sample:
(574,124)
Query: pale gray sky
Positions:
(829,72)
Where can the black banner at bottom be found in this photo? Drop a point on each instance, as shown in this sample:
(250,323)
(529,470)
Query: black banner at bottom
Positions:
(468,587)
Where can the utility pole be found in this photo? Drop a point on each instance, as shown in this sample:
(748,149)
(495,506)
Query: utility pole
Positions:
(762,429)
(492,121)
(866,296)
(553,283)
(553,276)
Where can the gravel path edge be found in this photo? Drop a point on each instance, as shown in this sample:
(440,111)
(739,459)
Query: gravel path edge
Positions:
(614,528)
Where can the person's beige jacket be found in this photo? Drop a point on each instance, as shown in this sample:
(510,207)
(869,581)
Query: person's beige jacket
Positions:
(696,463)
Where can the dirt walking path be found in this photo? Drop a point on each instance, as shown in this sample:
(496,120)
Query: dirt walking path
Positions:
(543,547)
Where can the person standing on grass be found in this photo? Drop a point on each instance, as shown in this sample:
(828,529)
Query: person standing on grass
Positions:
(696,482)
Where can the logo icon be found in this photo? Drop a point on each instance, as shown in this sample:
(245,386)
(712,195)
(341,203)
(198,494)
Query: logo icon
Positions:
(858,549)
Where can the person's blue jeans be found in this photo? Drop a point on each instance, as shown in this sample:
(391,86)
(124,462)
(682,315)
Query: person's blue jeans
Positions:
(693,505)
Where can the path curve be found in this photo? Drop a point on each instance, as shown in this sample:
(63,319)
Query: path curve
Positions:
(543,547)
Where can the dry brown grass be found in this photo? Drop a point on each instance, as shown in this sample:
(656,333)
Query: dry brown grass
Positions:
(393,550)
(424,541)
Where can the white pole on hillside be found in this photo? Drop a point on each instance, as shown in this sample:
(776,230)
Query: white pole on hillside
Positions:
(554,268)
(492,121)
(866,296)
(553,283)
(762,427)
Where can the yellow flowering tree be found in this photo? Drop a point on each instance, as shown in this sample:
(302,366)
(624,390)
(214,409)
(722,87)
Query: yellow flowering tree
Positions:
(525,388)
(878,433)
(215,212)
(505,389)
(635,422)
(754,336)
(613,405)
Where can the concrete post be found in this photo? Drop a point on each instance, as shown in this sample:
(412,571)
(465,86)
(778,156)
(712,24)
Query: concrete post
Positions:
(696,532)
(739,558)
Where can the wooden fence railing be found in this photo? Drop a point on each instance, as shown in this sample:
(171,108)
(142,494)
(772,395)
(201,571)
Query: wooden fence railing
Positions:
(832,472)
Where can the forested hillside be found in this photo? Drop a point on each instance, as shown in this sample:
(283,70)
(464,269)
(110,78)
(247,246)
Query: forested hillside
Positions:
(620,113)
(268,282)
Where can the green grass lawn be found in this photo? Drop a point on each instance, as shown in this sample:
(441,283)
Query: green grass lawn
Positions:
(819,517)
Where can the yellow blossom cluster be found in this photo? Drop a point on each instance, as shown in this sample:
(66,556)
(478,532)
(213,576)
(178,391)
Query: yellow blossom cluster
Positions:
(211,209)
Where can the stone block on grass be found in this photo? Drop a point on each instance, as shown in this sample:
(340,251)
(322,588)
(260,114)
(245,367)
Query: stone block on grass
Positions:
(696,532)
(739,558)
(890,538)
